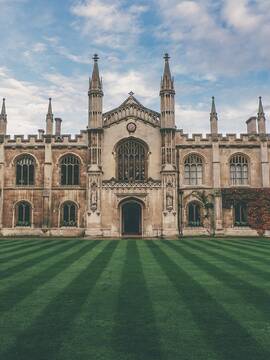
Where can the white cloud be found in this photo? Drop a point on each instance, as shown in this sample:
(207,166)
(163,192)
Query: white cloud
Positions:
(108,23)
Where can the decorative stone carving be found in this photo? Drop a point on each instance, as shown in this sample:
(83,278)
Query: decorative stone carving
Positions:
(93,197)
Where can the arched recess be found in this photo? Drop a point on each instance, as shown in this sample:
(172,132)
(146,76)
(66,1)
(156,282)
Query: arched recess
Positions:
(131,215)
(131,156)
(239,169)
(69,166)
(25,165)
(23,214)
(69,214)
(194,169)
(194,212)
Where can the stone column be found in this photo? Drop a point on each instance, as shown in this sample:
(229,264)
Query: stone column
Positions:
(2,178)
(264,163)
(47,184)
(216,186)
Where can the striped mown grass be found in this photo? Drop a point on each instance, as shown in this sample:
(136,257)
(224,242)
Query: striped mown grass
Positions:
(135,299)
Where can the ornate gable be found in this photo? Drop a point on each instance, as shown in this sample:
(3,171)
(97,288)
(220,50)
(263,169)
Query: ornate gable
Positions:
(131,107)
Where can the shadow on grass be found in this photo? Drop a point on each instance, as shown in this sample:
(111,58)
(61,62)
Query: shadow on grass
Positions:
(57,249)
(222,332)
(135,333)
(43,339)
(15,294)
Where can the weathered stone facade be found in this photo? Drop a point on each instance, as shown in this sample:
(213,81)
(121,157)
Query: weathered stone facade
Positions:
(130,173)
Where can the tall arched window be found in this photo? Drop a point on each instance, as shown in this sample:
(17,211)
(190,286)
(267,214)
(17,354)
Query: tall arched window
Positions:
(70,170)
(69,214)
(239,170)
(131,161)
(193,170)
(240,214)
(25,170)
(194,214)
(23,214)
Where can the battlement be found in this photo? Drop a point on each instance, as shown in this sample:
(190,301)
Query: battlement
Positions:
(36,140)
(228,139)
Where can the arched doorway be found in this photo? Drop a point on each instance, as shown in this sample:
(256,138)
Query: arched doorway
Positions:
(131,218)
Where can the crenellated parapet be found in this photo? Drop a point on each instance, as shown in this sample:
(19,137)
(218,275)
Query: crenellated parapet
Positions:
(35,140)
(228,140)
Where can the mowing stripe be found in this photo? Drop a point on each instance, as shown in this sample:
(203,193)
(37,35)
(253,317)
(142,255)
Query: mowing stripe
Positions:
(246,253)
(19,248)
(254,248)
(135,332)
(228,259)
(35,248)
(44,338)
(258,242)
(250,293)
(12,296)
(14,245)
(22,266)
(222,332)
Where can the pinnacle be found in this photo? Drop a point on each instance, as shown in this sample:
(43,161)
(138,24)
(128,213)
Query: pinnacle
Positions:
(260,111)
(3,111)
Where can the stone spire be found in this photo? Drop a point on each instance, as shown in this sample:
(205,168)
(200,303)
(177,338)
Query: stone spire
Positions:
(95,95)
(49,119)
(95,83)
(167,80)
(213,118)
(167,93)
(3,119)
(261,118)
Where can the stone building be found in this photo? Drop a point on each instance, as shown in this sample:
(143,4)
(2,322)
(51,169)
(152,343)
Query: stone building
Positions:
(130,173)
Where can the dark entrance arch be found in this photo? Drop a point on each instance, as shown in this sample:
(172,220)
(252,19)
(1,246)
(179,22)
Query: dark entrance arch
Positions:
(131,218)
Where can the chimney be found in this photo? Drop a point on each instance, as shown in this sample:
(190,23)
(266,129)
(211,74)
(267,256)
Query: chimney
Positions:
(40,133)
(252,125)
(58,126)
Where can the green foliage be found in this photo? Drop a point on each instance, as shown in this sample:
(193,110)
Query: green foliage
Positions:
(258,204)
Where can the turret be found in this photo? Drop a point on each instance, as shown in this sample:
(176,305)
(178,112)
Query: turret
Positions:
(3,119)
(261,118)
(49,119)
(167,93)
(213,118)
(95,95)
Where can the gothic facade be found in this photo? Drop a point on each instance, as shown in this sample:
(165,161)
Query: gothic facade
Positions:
(130,173)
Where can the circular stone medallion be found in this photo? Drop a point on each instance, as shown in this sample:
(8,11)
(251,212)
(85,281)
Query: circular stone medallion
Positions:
(131,127)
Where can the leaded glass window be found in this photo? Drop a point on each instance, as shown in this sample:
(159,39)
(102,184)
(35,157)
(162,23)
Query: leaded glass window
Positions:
(131,161)
(194,216)
(240,215)
(69,214)
(239,170)
(70,170)
(23,214)
(193,170)
(25,169)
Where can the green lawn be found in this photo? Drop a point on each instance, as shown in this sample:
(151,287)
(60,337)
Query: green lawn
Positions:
(123,300)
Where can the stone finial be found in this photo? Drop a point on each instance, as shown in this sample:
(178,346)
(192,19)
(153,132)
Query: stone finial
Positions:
(213,118)
(3,111)
(95,81)
(261,118)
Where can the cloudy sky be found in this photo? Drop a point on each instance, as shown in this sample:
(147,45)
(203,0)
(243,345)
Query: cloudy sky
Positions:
(217,47)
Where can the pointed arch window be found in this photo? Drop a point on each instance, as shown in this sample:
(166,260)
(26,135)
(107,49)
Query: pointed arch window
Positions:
(239,170)
(194,214)
(131,161)
(70,170)
(69,214)
(25,170)
(240,214)
(193,170)
(23,214)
